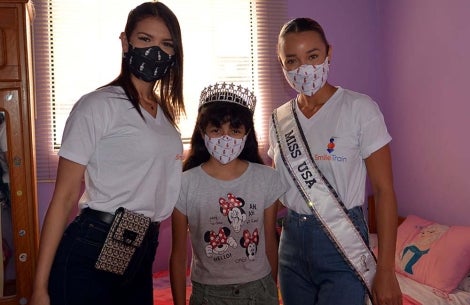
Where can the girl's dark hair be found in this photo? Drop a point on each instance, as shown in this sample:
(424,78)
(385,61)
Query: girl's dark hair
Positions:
(169,89)
(217,114)
(298,25)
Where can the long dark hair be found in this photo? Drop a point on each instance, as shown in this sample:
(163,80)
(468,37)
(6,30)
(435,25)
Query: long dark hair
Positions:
(217,114)
(169,89)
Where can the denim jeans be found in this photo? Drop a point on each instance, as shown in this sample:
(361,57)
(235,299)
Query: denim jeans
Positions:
(75,281)
(311,270)
(260,292)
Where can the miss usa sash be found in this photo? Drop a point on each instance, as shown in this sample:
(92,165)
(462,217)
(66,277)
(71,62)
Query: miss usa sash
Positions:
(320,196)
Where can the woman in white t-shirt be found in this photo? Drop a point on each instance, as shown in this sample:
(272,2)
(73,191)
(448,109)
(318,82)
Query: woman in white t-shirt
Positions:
(343,134)
(122,140)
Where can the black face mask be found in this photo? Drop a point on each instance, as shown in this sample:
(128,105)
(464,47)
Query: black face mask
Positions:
(148,64)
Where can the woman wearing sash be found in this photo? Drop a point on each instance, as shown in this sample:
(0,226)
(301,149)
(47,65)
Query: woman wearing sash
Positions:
(324,143)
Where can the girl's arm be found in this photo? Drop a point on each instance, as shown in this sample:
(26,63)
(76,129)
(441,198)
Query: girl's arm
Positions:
(66,193)
(178,257)
(386,289)
(270,216)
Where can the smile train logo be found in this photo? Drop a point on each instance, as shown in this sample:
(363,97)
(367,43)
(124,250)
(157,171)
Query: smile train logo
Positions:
(330,156)
(331,146)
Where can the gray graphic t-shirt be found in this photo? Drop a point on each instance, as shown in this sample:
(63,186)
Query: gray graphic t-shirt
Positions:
(226,223)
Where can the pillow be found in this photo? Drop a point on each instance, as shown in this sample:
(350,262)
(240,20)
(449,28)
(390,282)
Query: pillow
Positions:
(433,254)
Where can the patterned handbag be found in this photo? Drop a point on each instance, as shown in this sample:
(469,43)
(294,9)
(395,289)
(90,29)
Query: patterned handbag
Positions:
(125,235)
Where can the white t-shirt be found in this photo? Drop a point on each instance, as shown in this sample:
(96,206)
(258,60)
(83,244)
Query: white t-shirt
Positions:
(129,162)
(344,132)
(224,219)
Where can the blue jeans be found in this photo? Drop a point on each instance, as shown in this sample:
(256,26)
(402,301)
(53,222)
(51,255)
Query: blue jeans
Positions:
(260,292)
(75,281)
(311,270)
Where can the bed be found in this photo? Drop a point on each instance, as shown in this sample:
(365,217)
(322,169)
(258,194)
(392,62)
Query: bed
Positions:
(432,260)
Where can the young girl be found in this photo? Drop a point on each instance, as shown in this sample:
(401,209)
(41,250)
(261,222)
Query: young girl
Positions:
(228,201)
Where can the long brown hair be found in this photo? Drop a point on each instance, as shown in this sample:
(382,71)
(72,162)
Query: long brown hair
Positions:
(169,89)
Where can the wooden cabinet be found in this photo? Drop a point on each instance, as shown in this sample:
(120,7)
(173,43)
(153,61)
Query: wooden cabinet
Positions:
(19,212)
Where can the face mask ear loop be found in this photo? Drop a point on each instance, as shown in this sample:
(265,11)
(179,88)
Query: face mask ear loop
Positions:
(130,47)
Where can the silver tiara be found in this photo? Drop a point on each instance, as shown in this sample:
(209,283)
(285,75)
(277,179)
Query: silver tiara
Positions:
(230,93)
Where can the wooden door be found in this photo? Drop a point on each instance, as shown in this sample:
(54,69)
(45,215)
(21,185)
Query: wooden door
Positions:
(18,199)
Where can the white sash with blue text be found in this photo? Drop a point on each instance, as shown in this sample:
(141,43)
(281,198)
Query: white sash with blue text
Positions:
(320,196)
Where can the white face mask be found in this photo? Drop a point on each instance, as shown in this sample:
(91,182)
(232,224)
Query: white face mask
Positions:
(308,79)
(225,148)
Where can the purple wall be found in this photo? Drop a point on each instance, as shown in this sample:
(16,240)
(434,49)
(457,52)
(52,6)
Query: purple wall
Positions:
(412,57)
(425,52)
(425,49)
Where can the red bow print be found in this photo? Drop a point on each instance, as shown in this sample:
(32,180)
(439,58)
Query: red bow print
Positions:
(228,205)
(249,239)
(217,239)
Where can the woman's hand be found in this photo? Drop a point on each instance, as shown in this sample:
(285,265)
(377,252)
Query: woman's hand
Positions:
(385,288)
(40,297)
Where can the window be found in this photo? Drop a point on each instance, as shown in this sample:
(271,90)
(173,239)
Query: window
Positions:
(77,49)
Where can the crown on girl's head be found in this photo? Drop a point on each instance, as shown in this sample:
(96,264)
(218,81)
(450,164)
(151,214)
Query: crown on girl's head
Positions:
(229,93)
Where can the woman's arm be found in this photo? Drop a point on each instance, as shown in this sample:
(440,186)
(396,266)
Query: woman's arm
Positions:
(270,217)
(66,194)
(178,257)
(386,289)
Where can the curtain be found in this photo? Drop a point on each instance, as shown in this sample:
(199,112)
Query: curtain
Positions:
(223,40)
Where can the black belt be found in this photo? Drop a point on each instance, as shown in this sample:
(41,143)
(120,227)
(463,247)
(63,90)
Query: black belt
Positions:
(106,217)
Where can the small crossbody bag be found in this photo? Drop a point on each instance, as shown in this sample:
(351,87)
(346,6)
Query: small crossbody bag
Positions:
(126,234)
